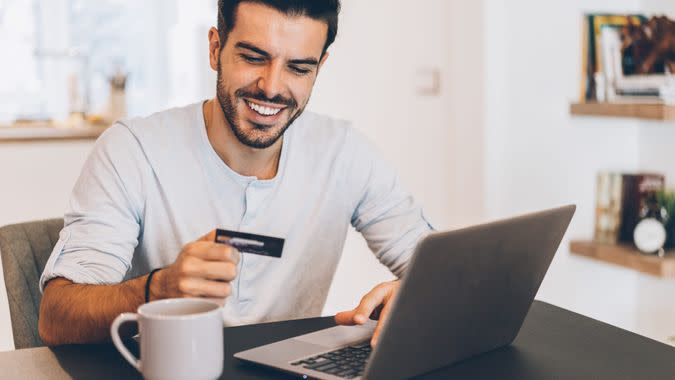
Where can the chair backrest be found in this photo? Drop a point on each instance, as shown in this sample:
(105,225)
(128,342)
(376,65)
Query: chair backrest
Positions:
(25,249)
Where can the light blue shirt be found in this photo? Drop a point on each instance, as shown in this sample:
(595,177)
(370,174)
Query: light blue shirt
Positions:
(153,184)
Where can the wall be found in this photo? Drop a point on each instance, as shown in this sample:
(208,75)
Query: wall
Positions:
(371,79)
(538,156)
(36,181)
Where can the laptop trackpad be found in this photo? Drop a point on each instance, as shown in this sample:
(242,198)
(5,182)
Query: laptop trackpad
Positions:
(339,335)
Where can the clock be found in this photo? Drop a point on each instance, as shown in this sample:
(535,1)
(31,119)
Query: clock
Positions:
(649,235)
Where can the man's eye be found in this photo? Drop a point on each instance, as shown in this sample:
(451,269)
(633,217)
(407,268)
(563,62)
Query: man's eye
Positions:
(299,71)
(252,59)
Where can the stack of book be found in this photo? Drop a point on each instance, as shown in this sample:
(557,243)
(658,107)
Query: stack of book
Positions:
(620,200)
(609,63)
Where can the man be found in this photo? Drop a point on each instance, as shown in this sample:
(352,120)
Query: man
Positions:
(247,160)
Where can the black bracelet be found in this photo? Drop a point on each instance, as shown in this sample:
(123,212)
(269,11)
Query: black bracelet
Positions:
(147,284)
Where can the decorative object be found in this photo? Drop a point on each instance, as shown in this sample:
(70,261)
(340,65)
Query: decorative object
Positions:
(649,236)
(628,59)
(651,45)
(650,232)
(117,103)
(636,189)
(667,201)
(592,59)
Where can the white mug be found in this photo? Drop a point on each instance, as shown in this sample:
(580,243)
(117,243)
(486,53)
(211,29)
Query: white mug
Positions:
(180,338)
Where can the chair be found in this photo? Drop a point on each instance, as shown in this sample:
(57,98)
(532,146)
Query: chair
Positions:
(25,249)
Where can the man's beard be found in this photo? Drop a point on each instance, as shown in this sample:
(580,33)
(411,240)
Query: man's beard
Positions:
(229,109)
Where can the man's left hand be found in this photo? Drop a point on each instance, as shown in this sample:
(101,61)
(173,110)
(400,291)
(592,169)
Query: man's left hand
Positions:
(380,297)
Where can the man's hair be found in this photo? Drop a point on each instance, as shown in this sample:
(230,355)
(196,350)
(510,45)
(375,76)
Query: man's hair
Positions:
(322,10)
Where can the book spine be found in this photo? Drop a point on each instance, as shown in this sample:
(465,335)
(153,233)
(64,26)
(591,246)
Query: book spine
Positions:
(607,207)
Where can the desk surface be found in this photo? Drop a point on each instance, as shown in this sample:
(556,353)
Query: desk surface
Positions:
(553,344)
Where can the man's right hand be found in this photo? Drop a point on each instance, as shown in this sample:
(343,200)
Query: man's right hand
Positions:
(203,268)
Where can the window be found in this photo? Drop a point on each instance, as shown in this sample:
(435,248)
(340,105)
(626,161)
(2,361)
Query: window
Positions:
(60,47)
(19,82)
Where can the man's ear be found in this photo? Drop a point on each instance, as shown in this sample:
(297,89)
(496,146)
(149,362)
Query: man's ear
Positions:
(214,48)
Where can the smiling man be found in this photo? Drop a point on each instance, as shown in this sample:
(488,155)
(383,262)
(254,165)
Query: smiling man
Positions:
(248,160)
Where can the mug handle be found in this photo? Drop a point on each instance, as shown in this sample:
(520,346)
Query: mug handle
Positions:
(114,333)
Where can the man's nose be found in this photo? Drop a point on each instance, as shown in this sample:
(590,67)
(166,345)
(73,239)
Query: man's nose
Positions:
(270,82)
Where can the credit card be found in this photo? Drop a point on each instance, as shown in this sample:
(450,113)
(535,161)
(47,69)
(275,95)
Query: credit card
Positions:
(251,243)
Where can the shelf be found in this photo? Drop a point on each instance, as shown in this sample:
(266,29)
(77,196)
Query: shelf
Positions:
(49,133)
(626,256)
(649,111)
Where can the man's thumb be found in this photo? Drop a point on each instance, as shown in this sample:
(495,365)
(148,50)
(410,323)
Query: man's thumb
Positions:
(211,236)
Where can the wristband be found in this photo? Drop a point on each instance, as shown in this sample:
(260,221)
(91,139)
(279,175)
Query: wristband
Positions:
(147,284)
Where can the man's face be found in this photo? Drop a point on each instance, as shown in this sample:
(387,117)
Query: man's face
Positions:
(266,71)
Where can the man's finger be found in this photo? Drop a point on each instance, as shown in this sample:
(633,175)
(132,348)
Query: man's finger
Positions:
(369,302)
(199,287)
(349,317)
(214,251)
(212,270)
(345,318)
(384,314)
(211,236)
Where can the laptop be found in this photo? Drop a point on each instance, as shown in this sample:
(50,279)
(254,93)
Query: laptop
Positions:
(465,292)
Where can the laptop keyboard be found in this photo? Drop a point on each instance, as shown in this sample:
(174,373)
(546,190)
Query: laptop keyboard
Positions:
(348,362)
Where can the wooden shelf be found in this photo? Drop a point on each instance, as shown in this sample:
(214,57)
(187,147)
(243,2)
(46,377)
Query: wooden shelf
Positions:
(626,256)
(649,111)
(47,133)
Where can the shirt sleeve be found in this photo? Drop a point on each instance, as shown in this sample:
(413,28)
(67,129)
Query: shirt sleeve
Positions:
(385,214)
(103,218)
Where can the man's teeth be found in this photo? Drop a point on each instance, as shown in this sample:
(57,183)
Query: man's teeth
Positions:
(265,111)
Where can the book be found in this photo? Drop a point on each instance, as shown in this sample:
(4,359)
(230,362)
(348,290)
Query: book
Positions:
(583,96)
(614,21)
(592,59)
(607,207)
(620,197)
